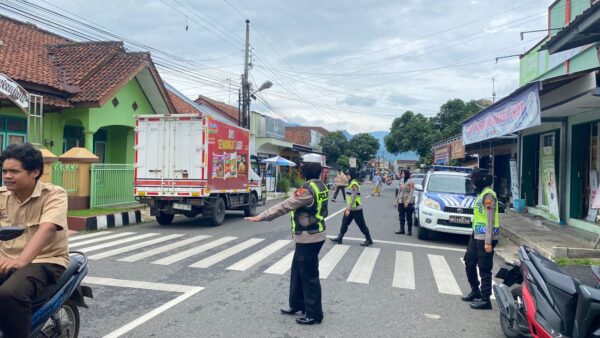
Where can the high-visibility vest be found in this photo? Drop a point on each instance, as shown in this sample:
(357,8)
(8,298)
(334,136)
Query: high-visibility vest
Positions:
(352,184)
(316,212)
(480,217)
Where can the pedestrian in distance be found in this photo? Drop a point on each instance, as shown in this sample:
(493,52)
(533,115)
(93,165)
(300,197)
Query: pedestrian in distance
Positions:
(353,212)
(308,206)
(377,184)
(31,263)
(405,202)
(480,250)
(340,185)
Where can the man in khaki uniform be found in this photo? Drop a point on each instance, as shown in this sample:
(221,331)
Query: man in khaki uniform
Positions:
(36,259)
(309,209)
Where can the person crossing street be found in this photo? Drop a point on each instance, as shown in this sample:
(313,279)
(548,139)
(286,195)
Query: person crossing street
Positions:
(354,211)
(480,250)
(340,185)
(308,206)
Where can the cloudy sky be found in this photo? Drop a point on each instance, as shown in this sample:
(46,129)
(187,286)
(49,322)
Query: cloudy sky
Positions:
(340,64)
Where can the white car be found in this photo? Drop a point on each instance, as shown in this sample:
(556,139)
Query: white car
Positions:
(445,203)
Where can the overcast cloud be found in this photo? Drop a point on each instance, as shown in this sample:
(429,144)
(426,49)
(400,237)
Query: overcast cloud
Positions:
(340,64)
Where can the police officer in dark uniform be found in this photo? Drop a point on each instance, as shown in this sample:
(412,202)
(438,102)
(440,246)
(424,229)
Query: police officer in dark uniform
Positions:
(309,209)
(480,251)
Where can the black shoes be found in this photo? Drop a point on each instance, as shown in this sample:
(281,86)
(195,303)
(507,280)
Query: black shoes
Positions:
(337,240)
(367,242)
(482,304)
(308,321)
(290,311)
(472,296)
(409,233)
(400,232)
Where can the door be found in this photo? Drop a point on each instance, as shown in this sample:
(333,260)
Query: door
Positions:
(529,168)
(152,150)
(580,150)
(187,149)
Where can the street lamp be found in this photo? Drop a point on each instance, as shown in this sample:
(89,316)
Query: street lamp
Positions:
(265,85)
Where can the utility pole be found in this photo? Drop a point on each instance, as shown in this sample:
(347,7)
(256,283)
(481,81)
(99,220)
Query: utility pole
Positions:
(493,89)
(245,82)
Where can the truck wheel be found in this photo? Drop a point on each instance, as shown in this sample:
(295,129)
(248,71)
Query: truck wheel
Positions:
(164,219)
(218,212)
(423,233)
(250,209)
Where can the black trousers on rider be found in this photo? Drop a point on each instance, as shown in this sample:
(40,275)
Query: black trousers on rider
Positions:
(477,257)
(359,218)
(17,292)
(305,286)
(405,216)
(338,189)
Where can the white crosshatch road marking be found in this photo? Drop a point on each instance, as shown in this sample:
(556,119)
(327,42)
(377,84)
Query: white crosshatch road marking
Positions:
(361,273)
(443,275)
(193,251)
(220,256)
(115,243)
(132,247)
(404,271)
(86,236)
(162,249)
(331,259)
(104,238)
(185,290)
(282,266)
(258,256)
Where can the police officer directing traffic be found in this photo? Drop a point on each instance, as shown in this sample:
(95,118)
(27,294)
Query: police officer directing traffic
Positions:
(309,209)
(480,250)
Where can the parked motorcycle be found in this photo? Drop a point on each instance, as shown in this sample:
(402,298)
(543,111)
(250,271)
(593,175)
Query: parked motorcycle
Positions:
(56,311)
(546,302)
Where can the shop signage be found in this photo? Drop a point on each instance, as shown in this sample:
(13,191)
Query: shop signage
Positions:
(352,162)
(514,180)
(442,155)
(458,150)
(14,92)
(519,111)
(549,182)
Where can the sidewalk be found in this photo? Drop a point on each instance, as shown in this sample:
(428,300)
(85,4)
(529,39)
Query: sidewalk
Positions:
(552,240)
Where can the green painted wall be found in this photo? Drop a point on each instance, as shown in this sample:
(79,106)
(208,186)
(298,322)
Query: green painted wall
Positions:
(557,16)
(577,7)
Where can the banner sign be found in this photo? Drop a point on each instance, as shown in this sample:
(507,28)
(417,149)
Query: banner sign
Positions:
(514,180)
(441,155)
(458,150)
(549,182)
(352,162)
(14,92)
(519,111)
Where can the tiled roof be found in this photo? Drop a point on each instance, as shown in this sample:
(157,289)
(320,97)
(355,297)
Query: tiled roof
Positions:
(73,73)
(320,130)
(226,109)
(182,107)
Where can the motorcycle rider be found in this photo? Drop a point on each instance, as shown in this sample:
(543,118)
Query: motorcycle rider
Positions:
(480,250)
(36,259)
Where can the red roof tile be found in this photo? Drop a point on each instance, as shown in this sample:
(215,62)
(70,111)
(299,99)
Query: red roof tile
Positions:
(229,111)
(182,107)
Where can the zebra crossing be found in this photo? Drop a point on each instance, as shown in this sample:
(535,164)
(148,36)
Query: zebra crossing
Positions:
(168,249)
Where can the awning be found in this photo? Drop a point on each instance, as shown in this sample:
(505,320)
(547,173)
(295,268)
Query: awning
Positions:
(518,111)
(583,30)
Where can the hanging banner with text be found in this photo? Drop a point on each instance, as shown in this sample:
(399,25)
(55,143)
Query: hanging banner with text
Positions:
(550,198)
(518,111)
(14,92)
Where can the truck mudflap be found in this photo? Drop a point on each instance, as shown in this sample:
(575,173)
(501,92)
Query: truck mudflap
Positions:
(506,302)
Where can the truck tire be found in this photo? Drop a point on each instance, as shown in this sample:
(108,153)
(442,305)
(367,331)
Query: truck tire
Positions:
(217,215)
(423,233)
(164,219)
(250,209)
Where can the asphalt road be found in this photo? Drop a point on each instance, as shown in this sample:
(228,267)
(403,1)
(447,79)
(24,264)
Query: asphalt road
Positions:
(144,285)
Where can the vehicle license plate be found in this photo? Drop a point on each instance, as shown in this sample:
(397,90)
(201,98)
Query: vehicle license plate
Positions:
(182,206)
(460,220)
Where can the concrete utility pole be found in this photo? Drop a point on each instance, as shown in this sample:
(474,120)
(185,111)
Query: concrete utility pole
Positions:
(245,82)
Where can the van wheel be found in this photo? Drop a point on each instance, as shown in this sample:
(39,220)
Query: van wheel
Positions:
(250,209)
(423,233)
(164,219)
(217,215)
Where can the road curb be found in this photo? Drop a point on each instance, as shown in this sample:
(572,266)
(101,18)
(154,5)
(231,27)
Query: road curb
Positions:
(100,222)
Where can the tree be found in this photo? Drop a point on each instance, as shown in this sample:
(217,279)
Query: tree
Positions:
(452,113)
(334,145)
(344,162)
(411,132)
(363,146)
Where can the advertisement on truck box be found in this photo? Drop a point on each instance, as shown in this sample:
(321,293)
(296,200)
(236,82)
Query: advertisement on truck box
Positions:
(228,156)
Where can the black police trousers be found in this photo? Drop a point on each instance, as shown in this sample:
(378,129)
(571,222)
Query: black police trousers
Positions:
(17,292)
(477,257)
(305,286)
(359,218)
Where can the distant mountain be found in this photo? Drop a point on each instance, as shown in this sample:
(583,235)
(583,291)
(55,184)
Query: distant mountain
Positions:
(380,135)
(347,134)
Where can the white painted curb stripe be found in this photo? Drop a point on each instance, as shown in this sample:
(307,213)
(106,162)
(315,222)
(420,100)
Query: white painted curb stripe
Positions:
(131,217)
(331,259)
(218,257)
(101,222)
(258,256)
(165,248)
(282,266)
(94,234)
(193,251)
(404,271)
(105,238)
(443,275)
(115,243)
(133,247)
(361,273)
(118,220)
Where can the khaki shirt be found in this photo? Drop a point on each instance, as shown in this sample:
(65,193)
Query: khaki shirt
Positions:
(47,204)
(302,197)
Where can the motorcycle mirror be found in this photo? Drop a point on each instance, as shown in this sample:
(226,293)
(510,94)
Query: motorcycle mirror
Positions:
(8,233)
